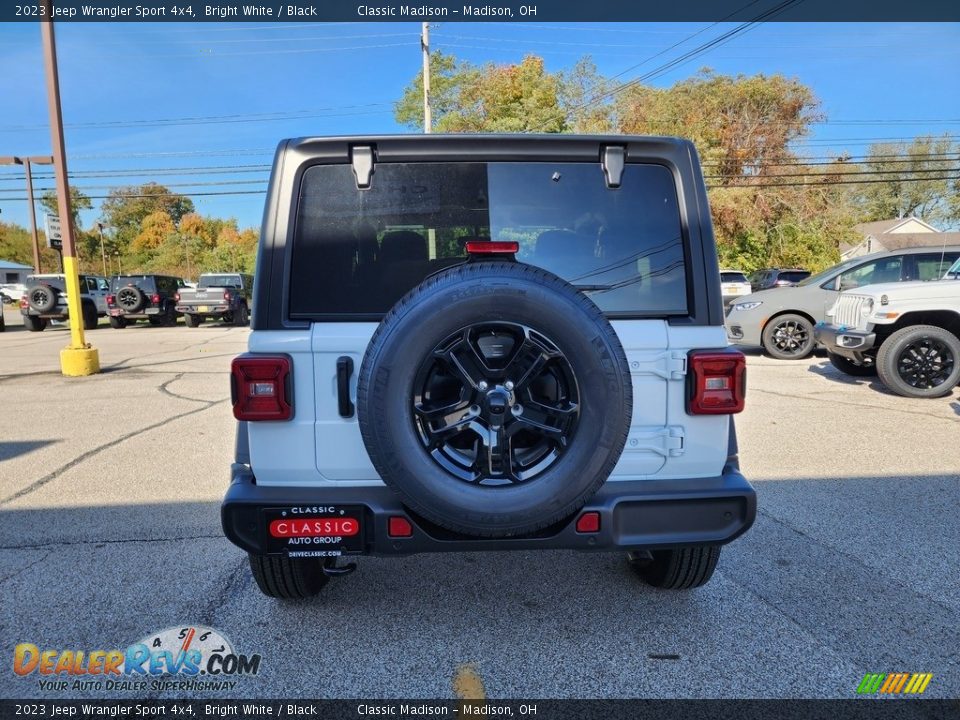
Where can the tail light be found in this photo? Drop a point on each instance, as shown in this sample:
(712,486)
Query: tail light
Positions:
(155,299)
(226,296)
(111,299)
(261,387)
(24,303)
(176,296)
(717,383)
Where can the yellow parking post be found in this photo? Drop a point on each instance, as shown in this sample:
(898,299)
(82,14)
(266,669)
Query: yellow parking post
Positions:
(78,358)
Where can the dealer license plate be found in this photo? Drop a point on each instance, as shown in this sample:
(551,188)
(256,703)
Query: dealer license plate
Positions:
(314,531)
(203,308)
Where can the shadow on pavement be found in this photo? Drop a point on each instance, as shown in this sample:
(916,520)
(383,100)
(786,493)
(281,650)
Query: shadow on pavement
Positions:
(15,448)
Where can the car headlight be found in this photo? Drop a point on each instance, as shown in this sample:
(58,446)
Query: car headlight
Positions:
(867,307)
(748,305)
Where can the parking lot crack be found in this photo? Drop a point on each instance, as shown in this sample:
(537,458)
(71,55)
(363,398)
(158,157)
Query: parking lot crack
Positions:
(26,567)
(83,457)
(833,401)
(109,541)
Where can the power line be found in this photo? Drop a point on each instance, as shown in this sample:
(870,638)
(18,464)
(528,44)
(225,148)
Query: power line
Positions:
(831,183)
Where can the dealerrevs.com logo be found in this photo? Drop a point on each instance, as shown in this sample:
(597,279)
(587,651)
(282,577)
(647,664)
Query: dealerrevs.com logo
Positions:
(191,657)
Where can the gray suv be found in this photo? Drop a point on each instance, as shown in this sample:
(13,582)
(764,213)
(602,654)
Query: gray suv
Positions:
(781,320)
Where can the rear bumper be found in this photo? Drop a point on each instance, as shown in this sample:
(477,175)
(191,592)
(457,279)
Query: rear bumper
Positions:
(210,309)
(634,515)
(848,343)
(139,315)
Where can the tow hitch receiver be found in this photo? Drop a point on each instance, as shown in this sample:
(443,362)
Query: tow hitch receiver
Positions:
(333,570)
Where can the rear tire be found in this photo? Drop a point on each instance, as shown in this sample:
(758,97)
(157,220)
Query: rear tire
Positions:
(34,323)
(241,317)
(920,343)
(289,578)
(90,317)
(677,569)
(191,321)
(117,323)
(849,367)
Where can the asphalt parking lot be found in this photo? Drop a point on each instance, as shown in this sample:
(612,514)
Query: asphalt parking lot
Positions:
(109,531)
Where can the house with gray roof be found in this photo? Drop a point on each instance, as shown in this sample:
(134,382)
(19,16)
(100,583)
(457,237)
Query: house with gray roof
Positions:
(885,235)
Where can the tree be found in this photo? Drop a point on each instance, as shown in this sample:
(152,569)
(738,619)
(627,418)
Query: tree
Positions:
(741,125)
(78,201)
(125,209)
(522,97)
(585,99)
(155,229)
(915,181)
(16,245)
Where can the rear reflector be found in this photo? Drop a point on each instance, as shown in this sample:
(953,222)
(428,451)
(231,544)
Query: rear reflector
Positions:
(155,299)
(717,383)
(589,522)
(399,527)
(492,247)
(260,387)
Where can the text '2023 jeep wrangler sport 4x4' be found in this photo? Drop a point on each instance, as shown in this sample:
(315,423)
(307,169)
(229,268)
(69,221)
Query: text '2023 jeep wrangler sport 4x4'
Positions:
(486,343)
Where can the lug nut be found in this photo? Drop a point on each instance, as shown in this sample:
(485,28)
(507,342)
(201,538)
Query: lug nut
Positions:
(508,385)
(516,409)
(482,385)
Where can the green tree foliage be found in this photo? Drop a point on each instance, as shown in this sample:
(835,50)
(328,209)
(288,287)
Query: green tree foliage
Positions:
(126,208)
(933,198)
(16,245)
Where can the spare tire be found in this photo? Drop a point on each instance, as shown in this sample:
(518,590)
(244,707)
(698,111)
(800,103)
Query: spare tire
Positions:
(42,297)
(131,299)
(494,398)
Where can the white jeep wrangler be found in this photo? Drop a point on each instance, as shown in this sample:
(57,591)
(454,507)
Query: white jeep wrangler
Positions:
(486,343)
(908,333)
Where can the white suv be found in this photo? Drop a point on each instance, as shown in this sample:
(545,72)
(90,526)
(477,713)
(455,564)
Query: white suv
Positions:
(486,343)
(908,333)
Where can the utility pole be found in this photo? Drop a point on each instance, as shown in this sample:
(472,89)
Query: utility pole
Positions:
(26,162)
(78,358)
(103,253)
(425,46)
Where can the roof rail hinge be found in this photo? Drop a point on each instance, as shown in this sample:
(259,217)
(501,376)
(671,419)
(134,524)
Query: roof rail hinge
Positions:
(614,157)
(361,157)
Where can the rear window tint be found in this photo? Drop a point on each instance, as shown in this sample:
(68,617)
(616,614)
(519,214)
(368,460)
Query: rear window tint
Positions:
(356,252)
(141,281)
(794,276)
(733,277)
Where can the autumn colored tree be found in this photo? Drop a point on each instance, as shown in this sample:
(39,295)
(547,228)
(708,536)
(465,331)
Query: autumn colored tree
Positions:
(126,208)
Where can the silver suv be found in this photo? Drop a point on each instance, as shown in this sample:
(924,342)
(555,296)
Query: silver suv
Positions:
(46,300)
(781,320)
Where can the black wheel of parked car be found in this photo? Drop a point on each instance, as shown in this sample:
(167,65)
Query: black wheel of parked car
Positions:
(921,361)
(42,298)
(191,320)
(117,323)
(34,323)
(788,337)
(241,317)
(495,398)
(90,317)
(130,298)
(849,367)
(289,578)
(676,569)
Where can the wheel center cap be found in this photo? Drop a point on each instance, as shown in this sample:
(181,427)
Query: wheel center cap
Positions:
(498,401)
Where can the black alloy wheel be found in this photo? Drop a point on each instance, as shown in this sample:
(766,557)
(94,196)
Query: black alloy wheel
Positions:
(925,363)
(496,404)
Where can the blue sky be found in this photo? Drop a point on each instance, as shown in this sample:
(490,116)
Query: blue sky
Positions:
(245,86)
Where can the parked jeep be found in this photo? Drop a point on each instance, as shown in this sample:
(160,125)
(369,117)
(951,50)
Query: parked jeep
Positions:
(217,295)
(143,297)
(46,300)
(907,333)
(449,335)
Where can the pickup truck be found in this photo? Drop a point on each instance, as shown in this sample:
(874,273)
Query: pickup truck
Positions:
(217,295)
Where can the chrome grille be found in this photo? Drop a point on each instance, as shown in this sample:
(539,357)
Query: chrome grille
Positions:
(847,310)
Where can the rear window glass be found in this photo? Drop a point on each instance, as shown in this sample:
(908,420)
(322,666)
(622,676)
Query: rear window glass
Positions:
(144,282)
(220,281)
(794,276)
(356,252)
(733,277)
